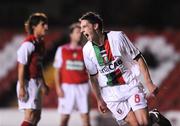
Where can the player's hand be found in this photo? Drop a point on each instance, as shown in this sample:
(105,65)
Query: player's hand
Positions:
(60,92)
(102,106)
(22,94)
(153,89)
(45,89)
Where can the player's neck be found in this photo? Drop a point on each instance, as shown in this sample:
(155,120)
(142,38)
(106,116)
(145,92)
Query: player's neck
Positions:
(99,39)
(38,37)
(73,45)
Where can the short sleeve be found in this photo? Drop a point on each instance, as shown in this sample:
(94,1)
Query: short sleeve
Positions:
(24,52)
(90,66)
(58,58)
(128,47)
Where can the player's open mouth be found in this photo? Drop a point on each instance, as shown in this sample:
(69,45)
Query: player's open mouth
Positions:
(86,35)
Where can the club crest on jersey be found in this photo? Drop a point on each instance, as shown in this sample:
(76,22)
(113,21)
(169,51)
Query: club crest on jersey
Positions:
(104,56)
(74,55)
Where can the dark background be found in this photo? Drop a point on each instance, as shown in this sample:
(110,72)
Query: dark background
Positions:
(151,14)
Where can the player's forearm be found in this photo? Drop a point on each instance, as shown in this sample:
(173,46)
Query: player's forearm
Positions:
(56,78)
(21,75)
(144,70)
(95,87)
(42,75)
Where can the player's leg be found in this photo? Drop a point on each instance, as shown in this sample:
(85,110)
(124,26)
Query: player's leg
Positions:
(142,116)
(138,104)
(82,101)
(85,119)
(64,119)
(131,119)
(28,117)
(37,117)
(66,104)
(122,113)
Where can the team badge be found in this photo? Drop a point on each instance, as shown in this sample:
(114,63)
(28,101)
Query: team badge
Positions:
(74,55)
(104,56)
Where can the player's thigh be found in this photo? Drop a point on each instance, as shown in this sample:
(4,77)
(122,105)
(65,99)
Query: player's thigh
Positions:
(82,98)
(29,115)
(138,104)
(131,119)
(66,103)
(119,110)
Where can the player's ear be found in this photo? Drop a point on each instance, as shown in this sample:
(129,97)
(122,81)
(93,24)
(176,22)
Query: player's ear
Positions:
(96,26)
(33,27)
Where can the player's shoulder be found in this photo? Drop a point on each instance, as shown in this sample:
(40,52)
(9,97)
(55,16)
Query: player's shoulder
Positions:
(27,44)
(87,47)
(115,33)
(115,36)
(62,46)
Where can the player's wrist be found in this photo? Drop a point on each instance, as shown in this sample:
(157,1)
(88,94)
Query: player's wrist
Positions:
(149,83)
(21,86)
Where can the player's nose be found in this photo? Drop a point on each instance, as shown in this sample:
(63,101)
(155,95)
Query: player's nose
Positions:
(82,30)
(46,26)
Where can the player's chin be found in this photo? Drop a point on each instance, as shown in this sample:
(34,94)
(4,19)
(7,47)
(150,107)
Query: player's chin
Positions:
(89,38)
(45,33)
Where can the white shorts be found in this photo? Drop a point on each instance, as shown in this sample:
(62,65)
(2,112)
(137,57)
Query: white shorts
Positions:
(75,98)
(33,98)
(123,98)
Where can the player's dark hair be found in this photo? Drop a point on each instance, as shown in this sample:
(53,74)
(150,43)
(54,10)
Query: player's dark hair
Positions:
(93,18)
(34,20)
(73,26)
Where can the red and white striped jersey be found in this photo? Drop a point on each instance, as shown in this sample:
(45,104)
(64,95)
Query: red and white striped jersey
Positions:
(113,61)
(71,65)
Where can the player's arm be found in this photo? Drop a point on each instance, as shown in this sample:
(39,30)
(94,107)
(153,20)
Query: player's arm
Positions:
(57,65)
(21,79)
(136,55)
(146,75)
(45,87)
(23,54)
(96,90)
(93,72)
(57,79)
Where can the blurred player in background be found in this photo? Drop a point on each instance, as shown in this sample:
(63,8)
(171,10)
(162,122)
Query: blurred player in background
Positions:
(30,77)
(71,79)
(114,65)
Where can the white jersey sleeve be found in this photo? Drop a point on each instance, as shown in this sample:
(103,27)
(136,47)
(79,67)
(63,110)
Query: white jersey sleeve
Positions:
(24,52)
(90,66)
(58,58)
(128,47)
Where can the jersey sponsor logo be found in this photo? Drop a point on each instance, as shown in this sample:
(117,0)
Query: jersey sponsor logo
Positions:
(74,65)
(112,66)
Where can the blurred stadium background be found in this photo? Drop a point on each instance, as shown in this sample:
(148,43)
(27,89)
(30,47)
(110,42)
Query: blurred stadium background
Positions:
(152,25)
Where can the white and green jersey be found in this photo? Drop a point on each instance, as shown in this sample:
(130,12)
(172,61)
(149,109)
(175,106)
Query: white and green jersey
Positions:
(113,61)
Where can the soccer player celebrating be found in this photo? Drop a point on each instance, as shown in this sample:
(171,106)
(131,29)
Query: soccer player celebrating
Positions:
(114,65)
(71,78)
(30,78)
